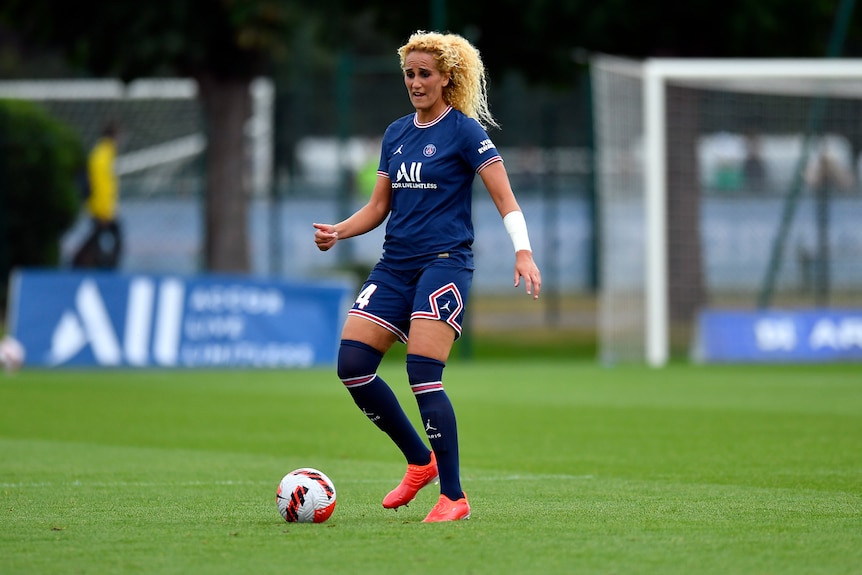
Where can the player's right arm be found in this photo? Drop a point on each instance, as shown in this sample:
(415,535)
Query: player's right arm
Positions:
(364,220)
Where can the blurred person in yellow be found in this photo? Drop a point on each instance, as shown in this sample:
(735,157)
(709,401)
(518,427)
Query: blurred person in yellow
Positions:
(101,248)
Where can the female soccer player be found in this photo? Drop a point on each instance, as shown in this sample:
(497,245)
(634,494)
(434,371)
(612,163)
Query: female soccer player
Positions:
(418,290)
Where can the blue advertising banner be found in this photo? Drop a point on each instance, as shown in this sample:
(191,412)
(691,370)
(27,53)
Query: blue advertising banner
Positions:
(815,335)
(91,319)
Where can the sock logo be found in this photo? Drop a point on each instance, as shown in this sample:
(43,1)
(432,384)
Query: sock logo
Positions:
(371,415)
(429,428)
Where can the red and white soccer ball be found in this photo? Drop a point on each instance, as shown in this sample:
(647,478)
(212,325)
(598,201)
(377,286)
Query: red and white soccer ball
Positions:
(305,495)
(11,353)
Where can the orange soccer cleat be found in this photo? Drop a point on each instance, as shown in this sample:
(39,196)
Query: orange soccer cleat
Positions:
(417,477)
(448,510)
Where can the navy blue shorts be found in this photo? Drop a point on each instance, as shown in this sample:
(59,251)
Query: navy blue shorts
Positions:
(391,298)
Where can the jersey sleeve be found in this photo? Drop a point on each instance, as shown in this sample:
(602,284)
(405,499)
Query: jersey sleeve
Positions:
(478,148)
(383,166)
(386,151)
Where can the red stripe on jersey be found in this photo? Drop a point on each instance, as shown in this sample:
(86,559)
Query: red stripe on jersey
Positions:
(488,162)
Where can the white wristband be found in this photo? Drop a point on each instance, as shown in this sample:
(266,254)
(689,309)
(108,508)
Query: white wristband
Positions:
(516,225)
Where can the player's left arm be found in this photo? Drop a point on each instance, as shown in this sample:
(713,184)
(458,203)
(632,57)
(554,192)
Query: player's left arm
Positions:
(496,180)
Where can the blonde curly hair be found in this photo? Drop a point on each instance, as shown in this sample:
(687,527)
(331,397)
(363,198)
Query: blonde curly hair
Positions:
(467,90)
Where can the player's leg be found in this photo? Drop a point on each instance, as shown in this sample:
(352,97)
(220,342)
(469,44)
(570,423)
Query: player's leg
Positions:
(87,254)
(373,325)
(436,323)
(427,350)
(361,350)
(117,251)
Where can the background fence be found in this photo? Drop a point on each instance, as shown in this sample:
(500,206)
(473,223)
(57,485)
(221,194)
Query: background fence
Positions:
(314,139)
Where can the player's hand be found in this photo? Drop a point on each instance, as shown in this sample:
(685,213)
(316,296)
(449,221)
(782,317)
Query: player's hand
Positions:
(325,236)
(526,268)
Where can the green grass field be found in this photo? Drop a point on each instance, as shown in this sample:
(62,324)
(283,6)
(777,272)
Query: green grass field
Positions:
(570,468)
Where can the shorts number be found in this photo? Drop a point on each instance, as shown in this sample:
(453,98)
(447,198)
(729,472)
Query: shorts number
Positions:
(364,297)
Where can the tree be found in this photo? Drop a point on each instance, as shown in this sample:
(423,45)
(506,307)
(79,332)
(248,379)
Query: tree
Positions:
(39,201)
(223,44)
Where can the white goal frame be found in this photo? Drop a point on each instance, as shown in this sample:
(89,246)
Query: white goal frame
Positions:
(775,76)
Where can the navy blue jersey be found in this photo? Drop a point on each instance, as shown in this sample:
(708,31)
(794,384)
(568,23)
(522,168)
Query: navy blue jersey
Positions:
(431,168)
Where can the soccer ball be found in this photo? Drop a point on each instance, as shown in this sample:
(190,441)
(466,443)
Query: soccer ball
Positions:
(305,495)
(11,353)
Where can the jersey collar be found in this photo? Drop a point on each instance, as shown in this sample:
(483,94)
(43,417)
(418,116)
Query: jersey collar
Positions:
(436,120)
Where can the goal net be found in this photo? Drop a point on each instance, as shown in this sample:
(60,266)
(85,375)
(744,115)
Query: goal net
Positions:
(723,183)
(160,156)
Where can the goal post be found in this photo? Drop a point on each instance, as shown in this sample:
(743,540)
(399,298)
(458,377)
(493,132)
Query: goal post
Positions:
(737,99)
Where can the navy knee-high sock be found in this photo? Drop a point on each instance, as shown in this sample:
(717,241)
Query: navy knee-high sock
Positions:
(438,418)
(357,369)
